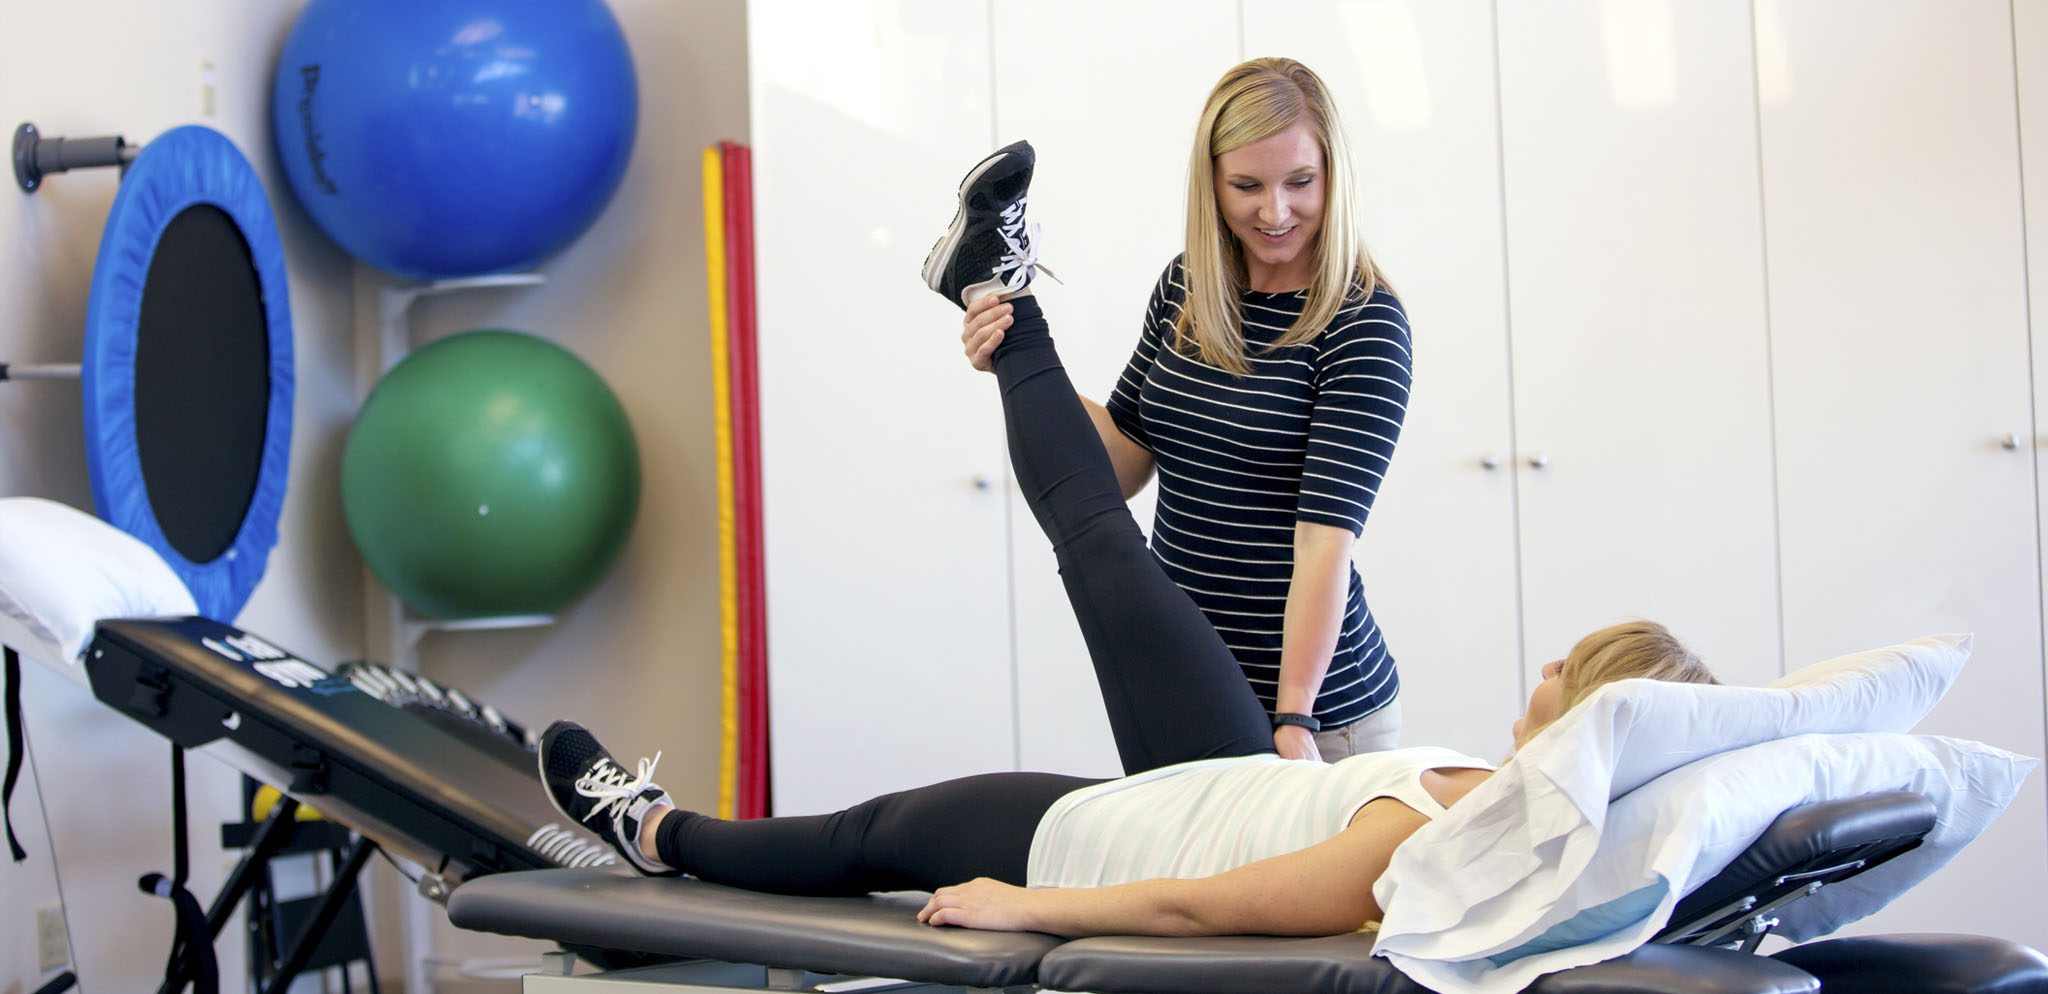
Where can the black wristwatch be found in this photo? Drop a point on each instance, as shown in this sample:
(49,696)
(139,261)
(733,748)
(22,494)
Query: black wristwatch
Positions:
(1297,720)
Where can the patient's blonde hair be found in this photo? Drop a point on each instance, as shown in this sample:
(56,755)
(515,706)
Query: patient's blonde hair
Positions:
(1630,649)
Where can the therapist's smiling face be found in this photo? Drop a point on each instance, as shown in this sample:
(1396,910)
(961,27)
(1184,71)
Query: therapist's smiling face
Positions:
(1270,194)
(1546,702)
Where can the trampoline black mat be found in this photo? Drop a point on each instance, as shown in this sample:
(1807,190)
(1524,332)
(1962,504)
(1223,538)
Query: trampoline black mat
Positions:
(202,381)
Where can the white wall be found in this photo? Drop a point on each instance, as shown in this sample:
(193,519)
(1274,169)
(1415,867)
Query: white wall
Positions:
(102,778)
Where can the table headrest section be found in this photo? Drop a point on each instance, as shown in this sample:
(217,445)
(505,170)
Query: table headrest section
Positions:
(867,936)
(1921,964)
(1344,964)
(1872,827)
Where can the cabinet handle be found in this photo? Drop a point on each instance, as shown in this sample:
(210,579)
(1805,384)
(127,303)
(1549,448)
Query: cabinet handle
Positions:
(983,481)
(1489,462)
(1540,460)
(2011,442)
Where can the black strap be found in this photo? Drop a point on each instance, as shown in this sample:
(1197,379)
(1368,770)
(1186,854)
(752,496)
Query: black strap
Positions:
(14,750)
(181,851)
(1296,719)
(59,984)
(193,944)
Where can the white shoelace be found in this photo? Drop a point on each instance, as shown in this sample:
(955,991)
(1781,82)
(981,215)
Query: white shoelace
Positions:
(1022,241)
(566,848)
(611,787)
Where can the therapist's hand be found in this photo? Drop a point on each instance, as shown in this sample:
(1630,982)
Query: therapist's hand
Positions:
(1296,742)
(982,330)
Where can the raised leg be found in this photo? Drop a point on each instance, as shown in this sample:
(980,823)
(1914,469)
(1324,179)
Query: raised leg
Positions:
(1173,690)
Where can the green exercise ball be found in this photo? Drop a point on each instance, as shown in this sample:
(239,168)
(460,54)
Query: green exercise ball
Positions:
(490,473)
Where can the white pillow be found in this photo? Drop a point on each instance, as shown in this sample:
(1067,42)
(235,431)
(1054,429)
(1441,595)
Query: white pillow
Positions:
(1971,784)
(62,571)
(1532,828)
(1892,688)
(1671,724)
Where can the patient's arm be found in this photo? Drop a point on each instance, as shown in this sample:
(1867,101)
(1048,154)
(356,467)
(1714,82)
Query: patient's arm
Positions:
(1325,889)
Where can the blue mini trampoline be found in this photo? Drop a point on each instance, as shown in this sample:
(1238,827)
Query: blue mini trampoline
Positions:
(187,371)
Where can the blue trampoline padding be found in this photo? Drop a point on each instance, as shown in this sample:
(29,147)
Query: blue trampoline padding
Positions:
(184,167)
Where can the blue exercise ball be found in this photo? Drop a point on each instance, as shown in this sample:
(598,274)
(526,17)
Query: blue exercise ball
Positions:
(445,138)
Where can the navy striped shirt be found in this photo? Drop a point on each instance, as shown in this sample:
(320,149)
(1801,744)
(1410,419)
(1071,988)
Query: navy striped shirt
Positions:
(1306,436)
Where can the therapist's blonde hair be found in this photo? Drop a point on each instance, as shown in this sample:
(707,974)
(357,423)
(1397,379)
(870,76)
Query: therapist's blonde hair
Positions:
(1630,649)
(1253,101)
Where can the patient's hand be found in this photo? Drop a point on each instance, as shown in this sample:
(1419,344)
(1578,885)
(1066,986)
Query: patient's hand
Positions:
(980,903)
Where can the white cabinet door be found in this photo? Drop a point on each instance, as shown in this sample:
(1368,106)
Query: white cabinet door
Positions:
(2030,49)
(1109,95)
(1897,298)
(889,607)
(1636,302)
(1414,80)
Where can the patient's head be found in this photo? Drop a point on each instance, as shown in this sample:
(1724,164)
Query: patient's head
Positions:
(1617,652)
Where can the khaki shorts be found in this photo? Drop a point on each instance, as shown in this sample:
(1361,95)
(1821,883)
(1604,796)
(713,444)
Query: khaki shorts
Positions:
(1376,732)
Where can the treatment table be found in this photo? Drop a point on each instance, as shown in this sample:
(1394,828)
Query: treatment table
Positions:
(802,943)
(470,809)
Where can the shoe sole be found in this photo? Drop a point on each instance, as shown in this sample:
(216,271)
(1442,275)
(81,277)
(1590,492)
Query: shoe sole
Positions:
(935,264)
(540,764)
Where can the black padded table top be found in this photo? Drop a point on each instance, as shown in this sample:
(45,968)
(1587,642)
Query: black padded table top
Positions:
(1235,964)
(1921,964)
(1344,964)
(877,936)
(457,806)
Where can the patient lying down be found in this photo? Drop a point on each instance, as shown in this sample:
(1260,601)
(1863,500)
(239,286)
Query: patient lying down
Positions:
(1221,841)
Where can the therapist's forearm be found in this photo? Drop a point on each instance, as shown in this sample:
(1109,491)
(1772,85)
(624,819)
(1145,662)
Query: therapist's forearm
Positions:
(1315,615)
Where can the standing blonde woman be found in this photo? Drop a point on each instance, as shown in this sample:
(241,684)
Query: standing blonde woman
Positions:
(1267,391)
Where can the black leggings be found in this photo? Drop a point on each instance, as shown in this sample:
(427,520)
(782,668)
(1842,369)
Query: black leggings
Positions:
(1173,691)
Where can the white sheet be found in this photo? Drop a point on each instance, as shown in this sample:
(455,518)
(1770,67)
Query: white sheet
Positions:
(1657,843)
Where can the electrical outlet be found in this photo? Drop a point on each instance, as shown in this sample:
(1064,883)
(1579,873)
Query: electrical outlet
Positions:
(206,81)
(53,944)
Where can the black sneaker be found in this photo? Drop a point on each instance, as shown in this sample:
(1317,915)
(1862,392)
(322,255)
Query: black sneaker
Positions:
(588,787)
(989,248)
